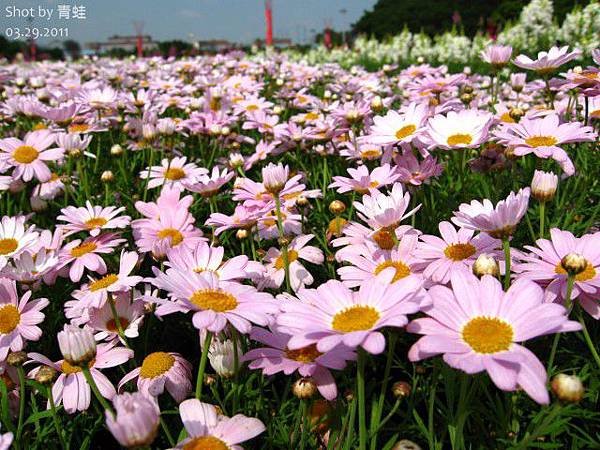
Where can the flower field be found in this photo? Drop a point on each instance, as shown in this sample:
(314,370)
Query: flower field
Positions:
(233,251)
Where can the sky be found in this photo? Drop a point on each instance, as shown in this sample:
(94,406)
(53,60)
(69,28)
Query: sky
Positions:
(235,20)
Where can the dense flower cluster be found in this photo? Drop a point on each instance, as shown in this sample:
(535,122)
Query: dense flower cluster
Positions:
(210,222)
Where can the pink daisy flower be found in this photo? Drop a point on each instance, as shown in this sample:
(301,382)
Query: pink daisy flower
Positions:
(81,255)
(29,156)
(214,303)
(308,361)
(543,136)
(544,264)
(547,62)
(174,172)
(71,388)
(297,250)
(499,221)
(95,294)
(171,229)
(368,261)
(412,171)
(385,210)
(167,203)
(18,318)
(455,250)
(209,185)
(477,326)
(332,314)
(130,316)
(207,429)
(467,128)
(497,55)
(160,371)
(208,259)
(92,219)
(15,238)
(242,218)
(398,127)
(362,181)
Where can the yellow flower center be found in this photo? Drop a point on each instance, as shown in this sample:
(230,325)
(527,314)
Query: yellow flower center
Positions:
(251,107)
(25,154)
(174,173)
(311,116)
(95,222)
(206,443)
(336,225)
(371,153)
(104,282)
(8,245)
(405,131)
(506,118)
(69,369)
(541,141)
(305,354)
(214,300)
(588,273)
(111,325)
(83,249)
(355,318)
(457,139)
(156,364)
(78,127)
(402,270)
(171,233)
(384,239)
(458,252)
(10,317)
(488,334)
(292,256)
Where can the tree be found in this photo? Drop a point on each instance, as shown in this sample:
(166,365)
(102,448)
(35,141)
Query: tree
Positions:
(72,48)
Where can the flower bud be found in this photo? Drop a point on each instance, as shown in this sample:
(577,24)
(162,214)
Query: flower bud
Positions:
(466,98)
(107,176)
(16,359)
(337,207)
(241,234)
(567,388)
(45,375)
(136,419)
(485,265)
(221,356)
(116,150)
(274,177)
(284,241)
(405,444)
(516,114)
(401,389)
(543,185)
(573,263)
(77,345)
(304,388)
(377,104)
(302,201)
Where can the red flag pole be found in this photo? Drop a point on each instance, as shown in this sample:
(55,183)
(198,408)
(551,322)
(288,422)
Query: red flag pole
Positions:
(269,23)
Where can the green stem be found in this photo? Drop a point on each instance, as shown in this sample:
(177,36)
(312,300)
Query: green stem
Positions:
(360,390)
(542,218)
(506,247)
(55,419)
(90,380)
(568,304)
(284,248)
(540,429)
(21,402)
(588,339)
(165,428)
(202,368)
(376,416)
(117,320)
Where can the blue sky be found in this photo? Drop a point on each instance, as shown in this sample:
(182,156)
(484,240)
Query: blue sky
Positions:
(235,20)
